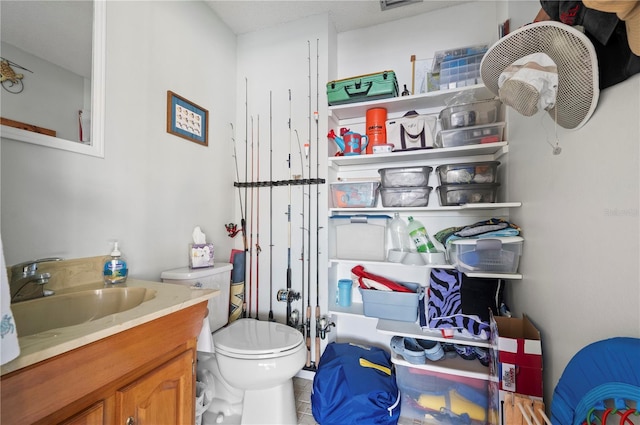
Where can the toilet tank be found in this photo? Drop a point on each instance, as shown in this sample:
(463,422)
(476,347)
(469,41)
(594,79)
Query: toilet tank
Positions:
(216,277)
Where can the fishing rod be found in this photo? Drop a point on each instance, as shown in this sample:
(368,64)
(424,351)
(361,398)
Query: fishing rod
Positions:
(246,178)
(288,295)
(302,231)
(308,323)
(258,248)
(251,230)
(271,206)
(315,115)
(243,229)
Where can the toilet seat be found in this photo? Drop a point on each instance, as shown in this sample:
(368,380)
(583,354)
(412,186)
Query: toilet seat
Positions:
(255,339)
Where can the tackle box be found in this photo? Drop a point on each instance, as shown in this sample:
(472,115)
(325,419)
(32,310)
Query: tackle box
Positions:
(379,85)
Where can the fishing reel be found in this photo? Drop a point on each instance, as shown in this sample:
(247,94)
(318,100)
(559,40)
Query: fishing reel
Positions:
(323,325)
(287,296)
(232,229)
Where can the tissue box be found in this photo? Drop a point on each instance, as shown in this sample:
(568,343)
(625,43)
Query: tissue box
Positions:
(200,255)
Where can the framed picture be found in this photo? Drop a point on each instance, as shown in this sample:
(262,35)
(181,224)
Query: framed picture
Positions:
(186,119)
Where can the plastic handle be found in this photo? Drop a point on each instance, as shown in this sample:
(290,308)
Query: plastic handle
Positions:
(364,141)
(489,245)
(367,363)
(359,219)
(359,86)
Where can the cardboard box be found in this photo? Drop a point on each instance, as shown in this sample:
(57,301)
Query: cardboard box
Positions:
(516,354)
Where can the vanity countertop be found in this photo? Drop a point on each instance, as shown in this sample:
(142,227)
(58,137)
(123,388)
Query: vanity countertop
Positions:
(169,298)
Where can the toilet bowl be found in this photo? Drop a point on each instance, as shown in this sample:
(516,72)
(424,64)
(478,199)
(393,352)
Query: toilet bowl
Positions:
(261,358)
(248,366)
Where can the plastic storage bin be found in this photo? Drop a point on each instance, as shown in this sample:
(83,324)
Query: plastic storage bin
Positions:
(354,194)
(460,72)
(459,194)
(359,237)
(452,54)
(405,196)
(405,176)
(429,397)
(489,133)
(470,172)
(494,255)
(401,306)
(470,114)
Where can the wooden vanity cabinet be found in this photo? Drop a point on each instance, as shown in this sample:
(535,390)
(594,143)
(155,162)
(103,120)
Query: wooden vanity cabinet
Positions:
(146,373)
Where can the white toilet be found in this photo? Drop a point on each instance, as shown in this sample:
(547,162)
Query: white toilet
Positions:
(248,366)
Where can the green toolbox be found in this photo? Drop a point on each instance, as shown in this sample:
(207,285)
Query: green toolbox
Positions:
(380,85)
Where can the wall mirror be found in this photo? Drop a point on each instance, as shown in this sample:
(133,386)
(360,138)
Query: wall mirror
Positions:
(59,30)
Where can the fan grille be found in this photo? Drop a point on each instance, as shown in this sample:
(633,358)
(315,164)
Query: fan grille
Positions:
(575,59)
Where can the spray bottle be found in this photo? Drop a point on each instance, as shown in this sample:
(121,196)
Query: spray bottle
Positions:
(420,236)
(115,269)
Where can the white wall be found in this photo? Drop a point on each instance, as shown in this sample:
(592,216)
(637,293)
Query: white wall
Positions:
(580,217)
(151,188)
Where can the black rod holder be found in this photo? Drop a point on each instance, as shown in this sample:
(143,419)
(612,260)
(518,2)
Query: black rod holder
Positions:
(294,182)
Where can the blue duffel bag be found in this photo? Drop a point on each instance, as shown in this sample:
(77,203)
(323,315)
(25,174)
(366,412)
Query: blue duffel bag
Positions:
(355,384)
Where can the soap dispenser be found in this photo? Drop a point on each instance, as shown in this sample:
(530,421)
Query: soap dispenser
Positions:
(115,268)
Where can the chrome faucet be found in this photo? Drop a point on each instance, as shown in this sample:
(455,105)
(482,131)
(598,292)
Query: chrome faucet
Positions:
(26,283)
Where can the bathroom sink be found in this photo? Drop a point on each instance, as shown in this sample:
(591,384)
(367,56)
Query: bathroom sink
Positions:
(59,311)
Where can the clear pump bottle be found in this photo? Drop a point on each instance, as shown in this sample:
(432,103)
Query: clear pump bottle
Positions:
(400,240)
(115,269)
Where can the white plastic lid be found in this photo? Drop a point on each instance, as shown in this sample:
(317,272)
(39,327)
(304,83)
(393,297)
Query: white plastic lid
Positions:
(186,273)
(251,337)
(474,241)
(116,251)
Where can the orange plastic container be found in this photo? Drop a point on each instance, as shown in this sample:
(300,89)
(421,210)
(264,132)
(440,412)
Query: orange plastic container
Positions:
(376,128)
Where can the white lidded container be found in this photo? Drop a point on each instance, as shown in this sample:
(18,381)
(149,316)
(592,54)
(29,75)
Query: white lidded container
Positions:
(495,255)
(216,277)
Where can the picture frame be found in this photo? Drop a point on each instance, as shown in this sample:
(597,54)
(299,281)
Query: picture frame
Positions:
(187,120)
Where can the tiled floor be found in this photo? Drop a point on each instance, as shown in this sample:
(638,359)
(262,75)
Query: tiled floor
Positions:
(302,391)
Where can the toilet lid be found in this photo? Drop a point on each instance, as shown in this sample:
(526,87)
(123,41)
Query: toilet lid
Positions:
(256,337)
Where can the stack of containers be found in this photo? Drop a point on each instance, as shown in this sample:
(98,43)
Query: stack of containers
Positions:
(469,124)
(468,183)
(405,186)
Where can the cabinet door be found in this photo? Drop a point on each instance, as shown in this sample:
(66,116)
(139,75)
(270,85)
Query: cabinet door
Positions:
(164,396)
(93,415)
